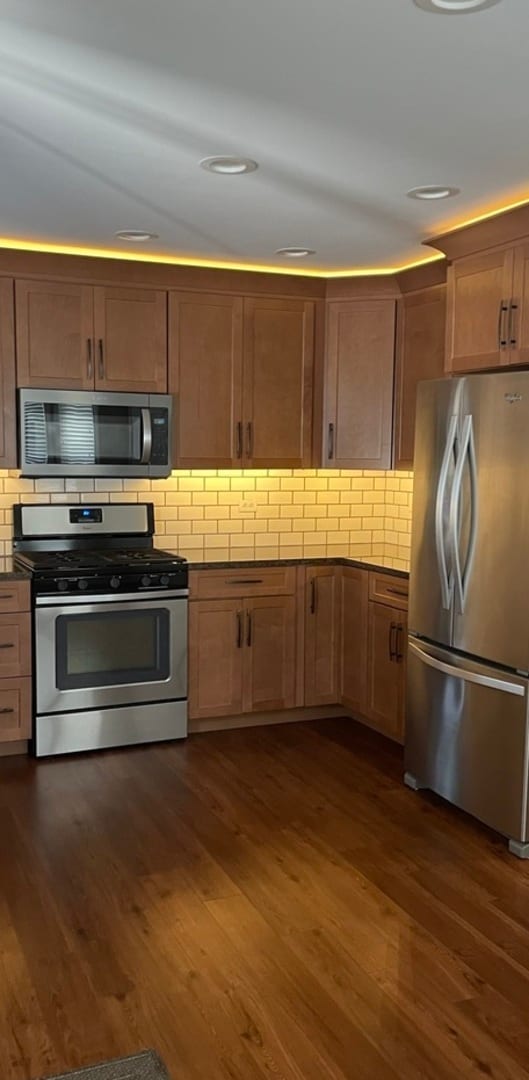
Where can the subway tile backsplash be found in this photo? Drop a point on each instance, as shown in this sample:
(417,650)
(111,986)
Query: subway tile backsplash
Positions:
(266,513)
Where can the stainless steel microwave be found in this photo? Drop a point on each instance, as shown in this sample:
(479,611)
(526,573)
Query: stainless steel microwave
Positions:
(81,433)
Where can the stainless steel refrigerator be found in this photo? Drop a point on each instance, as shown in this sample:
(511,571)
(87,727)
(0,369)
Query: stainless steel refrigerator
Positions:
(468,650)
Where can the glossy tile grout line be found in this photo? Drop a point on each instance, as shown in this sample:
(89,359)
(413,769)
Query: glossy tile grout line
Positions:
(265,513)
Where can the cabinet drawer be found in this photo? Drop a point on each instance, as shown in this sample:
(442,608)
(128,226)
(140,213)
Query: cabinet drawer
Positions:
(15,710)
(14,596)
(387,589)
(15,645)
(261,581)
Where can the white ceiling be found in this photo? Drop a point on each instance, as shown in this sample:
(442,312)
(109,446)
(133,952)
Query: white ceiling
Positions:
(107,106)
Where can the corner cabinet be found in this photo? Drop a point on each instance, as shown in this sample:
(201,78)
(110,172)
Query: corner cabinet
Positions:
(322,634)
(421,330)
(84,337)
(359,362)
(241,369)
(8,441)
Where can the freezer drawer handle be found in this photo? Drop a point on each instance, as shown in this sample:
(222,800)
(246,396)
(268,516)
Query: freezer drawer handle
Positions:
(467,676)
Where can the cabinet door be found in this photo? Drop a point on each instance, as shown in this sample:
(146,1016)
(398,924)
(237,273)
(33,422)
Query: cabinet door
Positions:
(269,654)
(322,628)
(205,375)
(360,357)
(421,333)
(15,710)
(54,335)
(386,669)
(353,650)
(518,326)
(277,382)
(131,340)
(215,658)
(8,442)
(479,291)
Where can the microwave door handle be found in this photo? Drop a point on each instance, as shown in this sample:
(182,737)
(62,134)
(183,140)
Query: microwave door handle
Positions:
(147,437)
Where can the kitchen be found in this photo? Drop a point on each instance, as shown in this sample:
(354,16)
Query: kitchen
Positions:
(217,473)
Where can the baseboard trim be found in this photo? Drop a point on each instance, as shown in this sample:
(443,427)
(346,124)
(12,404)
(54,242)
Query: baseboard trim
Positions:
(9,749)
(285,716)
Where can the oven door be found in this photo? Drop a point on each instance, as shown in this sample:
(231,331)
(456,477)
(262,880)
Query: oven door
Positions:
(113,650)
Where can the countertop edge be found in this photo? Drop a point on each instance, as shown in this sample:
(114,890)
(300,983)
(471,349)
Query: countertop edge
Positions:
(333,560)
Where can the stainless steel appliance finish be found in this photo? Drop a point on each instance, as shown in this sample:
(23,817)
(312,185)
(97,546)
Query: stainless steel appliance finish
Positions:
(110,618)
(86,433)
(467,732)
(101,729)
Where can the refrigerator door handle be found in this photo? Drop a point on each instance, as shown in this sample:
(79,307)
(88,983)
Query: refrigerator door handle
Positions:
(467,451)
(446,590)
(467,676)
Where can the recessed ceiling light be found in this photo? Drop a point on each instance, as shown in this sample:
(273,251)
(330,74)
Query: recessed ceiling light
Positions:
(295,252)
(229,166)
(432,191)
(455,7)
(136,236)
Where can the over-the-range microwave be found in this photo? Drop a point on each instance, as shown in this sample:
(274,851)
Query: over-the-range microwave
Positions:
(81,433)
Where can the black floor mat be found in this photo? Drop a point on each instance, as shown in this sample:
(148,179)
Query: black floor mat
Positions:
(144,1066)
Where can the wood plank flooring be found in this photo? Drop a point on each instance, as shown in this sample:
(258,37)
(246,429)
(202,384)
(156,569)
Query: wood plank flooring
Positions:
(269,903)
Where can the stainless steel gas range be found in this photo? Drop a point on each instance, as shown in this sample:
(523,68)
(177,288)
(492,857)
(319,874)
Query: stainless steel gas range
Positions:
(110,622)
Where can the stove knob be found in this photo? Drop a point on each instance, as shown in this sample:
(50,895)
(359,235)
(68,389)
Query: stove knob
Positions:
(82,584)
(146,580)
(165,579)
(62,584)
(115,582)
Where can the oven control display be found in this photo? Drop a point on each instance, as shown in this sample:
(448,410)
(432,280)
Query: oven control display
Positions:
(86,515)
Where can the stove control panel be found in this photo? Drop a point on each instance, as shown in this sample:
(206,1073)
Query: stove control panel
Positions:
(101,582)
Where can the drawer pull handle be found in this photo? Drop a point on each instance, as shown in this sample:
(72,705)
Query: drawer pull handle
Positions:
(7,645)
(6,595)
(6,710)
(397,592)
(245,581)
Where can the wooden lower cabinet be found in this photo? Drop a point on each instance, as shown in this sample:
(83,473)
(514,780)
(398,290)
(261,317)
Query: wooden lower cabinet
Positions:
(15,664)
(215,658)
(322,635)
(386,682)
(269,665)
(15,710)
(242,656)
(353,653)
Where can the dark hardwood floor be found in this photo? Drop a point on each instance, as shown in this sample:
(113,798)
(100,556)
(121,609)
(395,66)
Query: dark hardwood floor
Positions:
(261,903)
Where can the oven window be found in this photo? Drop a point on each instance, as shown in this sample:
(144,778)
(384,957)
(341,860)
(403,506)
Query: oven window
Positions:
(112,648)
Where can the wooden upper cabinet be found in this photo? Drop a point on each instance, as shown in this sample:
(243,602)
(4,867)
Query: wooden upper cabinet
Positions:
(387,644)
(205,375)
(322,632)
(277,382)
(54,335)
(360,356)
(421,331)
(480,288)
(8,448)
(353,652)
(130,331)
(518,325)
(269,672)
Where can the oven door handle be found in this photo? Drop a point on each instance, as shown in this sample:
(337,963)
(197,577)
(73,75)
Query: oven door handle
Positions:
(146,424)
(67,600)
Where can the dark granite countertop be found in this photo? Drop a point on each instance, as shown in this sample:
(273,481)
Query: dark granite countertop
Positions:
(8,572)
(367,563)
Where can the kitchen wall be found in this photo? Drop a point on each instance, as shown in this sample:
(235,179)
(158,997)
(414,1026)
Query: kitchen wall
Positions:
(266,513)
